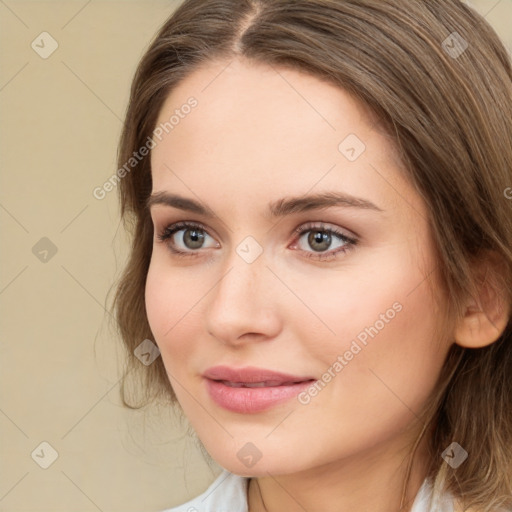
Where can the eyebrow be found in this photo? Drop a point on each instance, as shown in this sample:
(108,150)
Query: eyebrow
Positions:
(279,208)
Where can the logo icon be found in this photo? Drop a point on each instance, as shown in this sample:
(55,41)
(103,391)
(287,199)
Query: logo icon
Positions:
(44,45)
(454,455)
(352,147)
(455,45)
(44,455)
(249,249)
(44,250)
(249,455)
(146,352)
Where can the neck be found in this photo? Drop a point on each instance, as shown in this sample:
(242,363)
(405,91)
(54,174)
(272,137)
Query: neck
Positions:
(370,482)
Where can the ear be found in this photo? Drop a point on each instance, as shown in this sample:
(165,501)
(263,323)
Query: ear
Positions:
(487,312)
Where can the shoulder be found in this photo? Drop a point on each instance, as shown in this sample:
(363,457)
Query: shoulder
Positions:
(427,501)
(228,493)
(460,508)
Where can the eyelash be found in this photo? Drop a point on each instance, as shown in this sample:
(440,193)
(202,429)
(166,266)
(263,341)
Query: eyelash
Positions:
(170,230)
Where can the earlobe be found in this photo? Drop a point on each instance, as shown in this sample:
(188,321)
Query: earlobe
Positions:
(478,330)
(486,318)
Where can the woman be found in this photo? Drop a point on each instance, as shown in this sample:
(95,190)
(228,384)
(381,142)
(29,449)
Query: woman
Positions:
(319,192)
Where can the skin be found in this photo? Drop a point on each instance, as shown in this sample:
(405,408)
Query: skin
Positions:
(259,134)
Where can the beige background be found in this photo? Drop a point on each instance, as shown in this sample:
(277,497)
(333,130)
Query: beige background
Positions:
(61,118)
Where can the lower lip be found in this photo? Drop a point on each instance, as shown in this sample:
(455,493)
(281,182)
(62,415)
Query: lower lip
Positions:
(252,400)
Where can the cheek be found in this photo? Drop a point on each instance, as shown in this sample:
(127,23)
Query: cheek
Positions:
(356,302)
(380,385)
(396,368)
(172,299)
(383,347)
(159,301)
(162,306)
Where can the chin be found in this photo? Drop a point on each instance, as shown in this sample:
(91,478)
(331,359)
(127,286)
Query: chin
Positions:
(250,462)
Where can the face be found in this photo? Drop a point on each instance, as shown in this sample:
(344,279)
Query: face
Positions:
(295,332)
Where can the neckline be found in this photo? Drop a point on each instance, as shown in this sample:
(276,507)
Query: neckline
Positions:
(423,501)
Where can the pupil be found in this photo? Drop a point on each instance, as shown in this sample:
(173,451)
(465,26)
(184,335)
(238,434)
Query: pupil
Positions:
(195,237)
(319,237)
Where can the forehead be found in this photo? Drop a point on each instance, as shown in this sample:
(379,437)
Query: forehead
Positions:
(260,128)
(269,99)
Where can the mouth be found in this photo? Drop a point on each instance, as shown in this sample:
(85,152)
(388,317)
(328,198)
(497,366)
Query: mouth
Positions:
(252,390)
(252,375)
(264,384)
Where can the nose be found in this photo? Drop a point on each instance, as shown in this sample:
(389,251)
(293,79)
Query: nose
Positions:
(243,304)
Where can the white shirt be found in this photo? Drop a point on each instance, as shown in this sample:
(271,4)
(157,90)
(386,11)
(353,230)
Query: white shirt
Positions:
(228,493)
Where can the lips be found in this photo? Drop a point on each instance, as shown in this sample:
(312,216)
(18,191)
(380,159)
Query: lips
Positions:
(250,389)
(264,384)
(251,375)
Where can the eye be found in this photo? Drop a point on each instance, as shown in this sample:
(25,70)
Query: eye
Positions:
(320,238)
(193,237)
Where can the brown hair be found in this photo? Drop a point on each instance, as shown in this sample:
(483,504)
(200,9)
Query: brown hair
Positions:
(450,117)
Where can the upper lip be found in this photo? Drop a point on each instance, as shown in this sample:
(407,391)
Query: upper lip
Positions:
(251,374)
